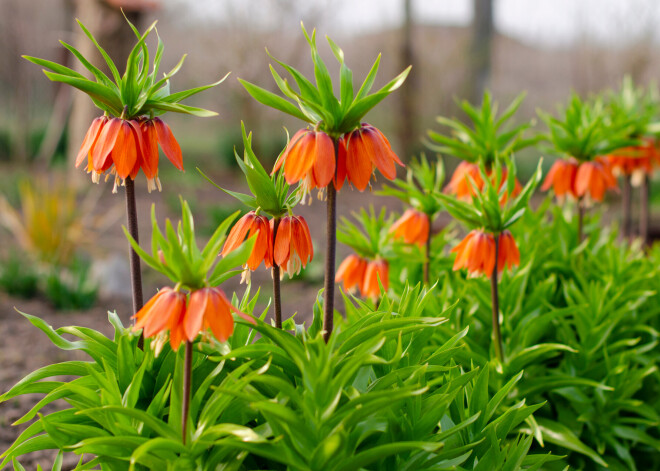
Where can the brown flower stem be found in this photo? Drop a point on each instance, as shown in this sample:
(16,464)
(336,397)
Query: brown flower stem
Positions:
(185,403)
(580,222)
(644,214)
(331,249)
(134,258)
(427,260)
(497,335)
(276,281)
(626,208)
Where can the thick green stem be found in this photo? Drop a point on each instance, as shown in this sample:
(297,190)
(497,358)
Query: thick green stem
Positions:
(187,377)
(497,335)
(644,213)
(626,208)
(277,299)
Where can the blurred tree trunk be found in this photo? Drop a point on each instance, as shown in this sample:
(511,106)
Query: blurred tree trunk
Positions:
(108,25)
(481,49)
(407,126)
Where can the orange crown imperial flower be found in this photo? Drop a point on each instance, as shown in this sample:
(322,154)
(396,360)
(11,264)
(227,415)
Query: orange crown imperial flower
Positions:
(126,146)
(460,185)
(476,252)
(376,270)
(412,227)
(262,250)
(636,161)
(310,157)
(351,271)
(293,245)
(366,148)
(208,309)
(593,179)
(561,178)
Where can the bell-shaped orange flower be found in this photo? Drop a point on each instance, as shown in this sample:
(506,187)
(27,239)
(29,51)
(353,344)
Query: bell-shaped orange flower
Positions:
(462,188)
(460,185)
(561,178)
(507,252)
(636,162)
(593,179)
(249,225)
(126,146)
(309,156)
(376,270)
(412,227)
(208,309)
(476,252)
(293,245)
(351,271)
(366,149)
(160,312)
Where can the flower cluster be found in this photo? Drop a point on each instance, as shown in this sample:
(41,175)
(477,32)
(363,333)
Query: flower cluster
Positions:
(412,227)
(358,273)
(309,158)
(477,251)
(291,248)
(122,147)
(635,162)
(460,185)
(208,309)
(587,180)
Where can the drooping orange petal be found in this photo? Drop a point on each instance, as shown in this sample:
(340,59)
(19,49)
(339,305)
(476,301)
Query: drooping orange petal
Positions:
(489,255)
(282,242)
(197,308)
(477,254)
(219,317)
(463,250)
(90,137)
(149,149)
(168,143)
(300,159)
(359,166)
(143,314)
(299,241)
(583,178)
(260,249)
(237,234)
(307,237)
(124,154)
(380,153)
(324,164)
(177,333)
(296,137)
(393,155)
(346,267)
(105,143)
